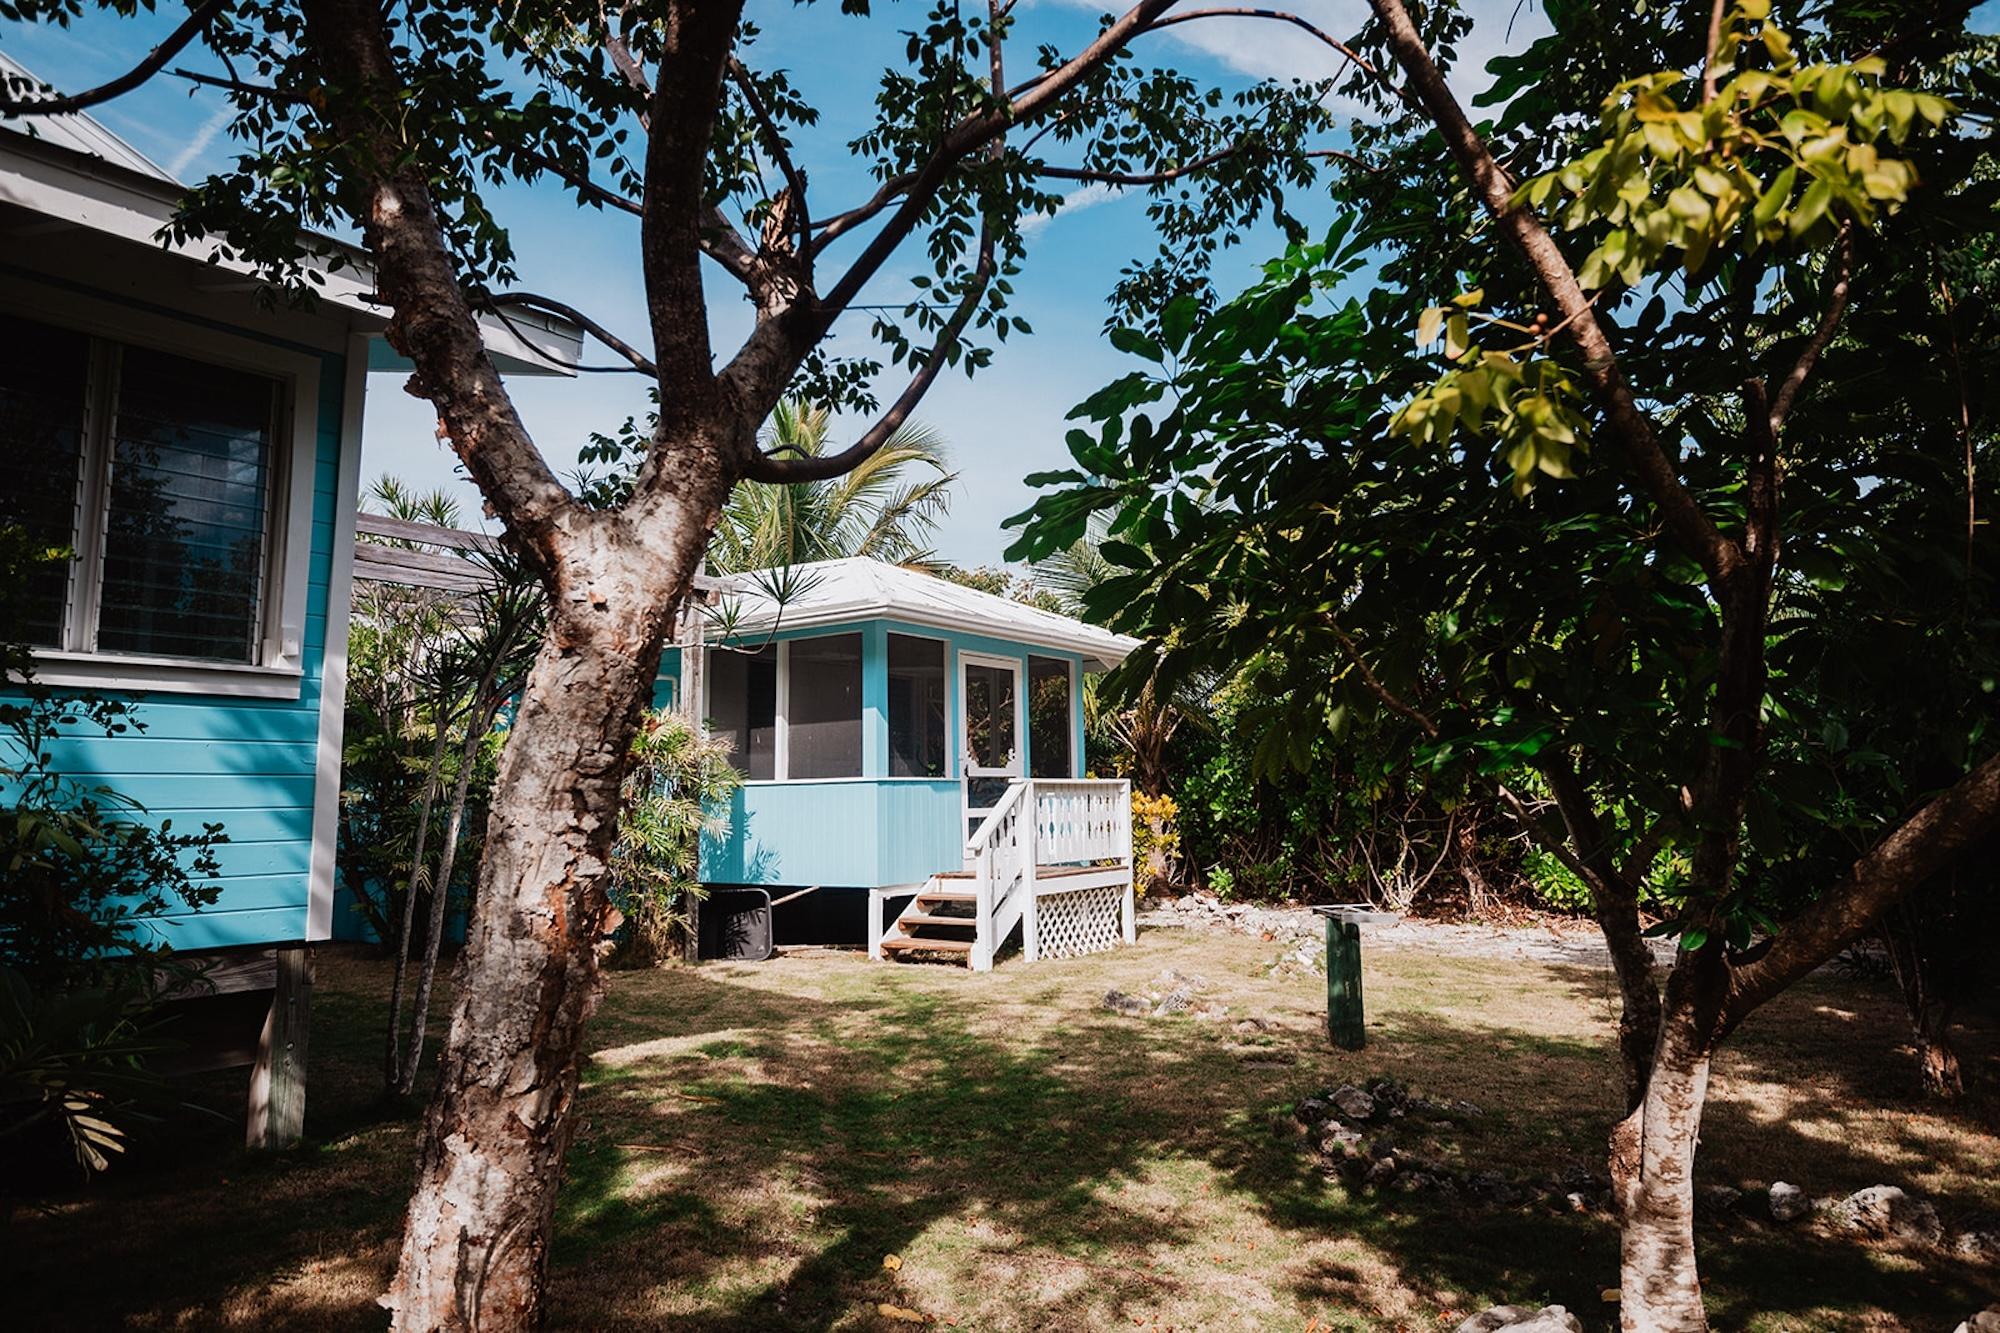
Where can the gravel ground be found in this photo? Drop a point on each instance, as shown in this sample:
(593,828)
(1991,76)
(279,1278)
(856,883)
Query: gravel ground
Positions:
(1553,940)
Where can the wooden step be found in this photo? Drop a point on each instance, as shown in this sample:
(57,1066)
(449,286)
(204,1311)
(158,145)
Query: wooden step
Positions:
(908,945)
(929,919)
(946,896)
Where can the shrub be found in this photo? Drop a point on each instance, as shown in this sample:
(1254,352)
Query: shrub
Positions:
(673,796)
(80,970)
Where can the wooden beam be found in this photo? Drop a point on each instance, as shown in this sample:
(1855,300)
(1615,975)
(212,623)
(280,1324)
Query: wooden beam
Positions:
(277,1111)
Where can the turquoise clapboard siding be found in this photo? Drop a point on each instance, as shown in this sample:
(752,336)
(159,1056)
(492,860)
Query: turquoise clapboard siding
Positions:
(247,764)
(875,830)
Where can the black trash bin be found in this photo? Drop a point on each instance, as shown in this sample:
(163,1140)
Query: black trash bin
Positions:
(734,924)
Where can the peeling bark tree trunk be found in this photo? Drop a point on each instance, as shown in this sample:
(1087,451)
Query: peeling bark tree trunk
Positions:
(474,1252)
(1652,1173)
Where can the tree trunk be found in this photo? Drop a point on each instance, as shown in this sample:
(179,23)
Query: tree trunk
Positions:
(477,724)
(392,1069)
(1652,1173)
(476,1238)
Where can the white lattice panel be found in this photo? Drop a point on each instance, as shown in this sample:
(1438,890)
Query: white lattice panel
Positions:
(1081,921)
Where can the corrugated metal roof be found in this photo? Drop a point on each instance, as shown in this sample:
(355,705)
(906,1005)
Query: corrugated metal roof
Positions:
(75,131)
(835,591)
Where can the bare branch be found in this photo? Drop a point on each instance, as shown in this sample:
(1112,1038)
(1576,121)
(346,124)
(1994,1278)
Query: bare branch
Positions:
(774,142)
(1708,65)
(236,85)
(1950,824)
(1389,698)
(1167,174)
(1318,34)
(176,41)
(531,301)
(1633,431)
(768,467)
(1836,305)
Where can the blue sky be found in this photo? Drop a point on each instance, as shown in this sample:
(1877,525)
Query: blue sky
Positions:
(1002,425)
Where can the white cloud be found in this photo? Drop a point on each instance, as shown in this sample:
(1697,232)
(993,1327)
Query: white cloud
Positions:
(1076,201)
(198,144)
(1264,48)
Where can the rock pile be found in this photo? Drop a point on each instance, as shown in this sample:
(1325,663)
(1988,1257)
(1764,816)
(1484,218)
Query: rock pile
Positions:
(1521,1319)
(1168,993)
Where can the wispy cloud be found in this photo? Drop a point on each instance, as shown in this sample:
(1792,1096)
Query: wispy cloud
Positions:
(198,143)
(1076,201)
(1263,48)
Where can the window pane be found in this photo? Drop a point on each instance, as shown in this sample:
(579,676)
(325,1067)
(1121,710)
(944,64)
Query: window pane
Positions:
(916,707)
(1048,717)
(989,717)
(190,489)
(42,386)
(743,708)
(823,708)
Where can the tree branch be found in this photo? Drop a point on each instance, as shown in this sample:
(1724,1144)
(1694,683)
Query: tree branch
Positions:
(583,185)
(1926,843)
(198,19)
(1389,698)
(719,239)
(1836,305)
(768,467)
(1615,904)
(1318,34)
(695,40)
(432,323)
(1167,174)
(1634,432)
(795,180)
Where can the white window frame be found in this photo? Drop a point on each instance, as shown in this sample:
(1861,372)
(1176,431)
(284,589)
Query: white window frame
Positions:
(278,672)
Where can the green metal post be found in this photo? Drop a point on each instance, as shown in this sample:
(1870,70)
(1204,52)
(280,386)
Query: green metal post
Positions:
(1343,984)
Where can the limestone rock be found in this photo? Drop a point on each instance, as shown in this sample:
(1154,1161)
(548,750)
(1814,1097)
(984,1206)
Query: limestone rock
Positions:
(1520,1319)
(1889,1212)
(1986,1321)
(1119,1002)
(1978,1247)
(1788,1203)
(1353,1103)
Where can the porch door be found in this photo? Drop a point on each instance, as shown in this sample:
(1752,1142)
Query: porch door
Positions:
(990,706)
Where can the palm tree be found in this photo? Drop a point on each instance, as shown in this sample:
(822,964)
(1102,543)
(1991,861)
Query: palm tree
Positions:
(876,510)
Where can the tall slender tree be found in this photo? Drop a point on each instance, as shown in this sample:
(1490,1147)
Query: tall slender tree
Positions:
(1708,291)
(393,120)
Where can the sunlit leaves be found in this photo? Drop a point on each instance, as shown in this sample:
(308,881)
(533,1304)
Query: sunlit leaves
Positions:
(1528,405)
(1782,155)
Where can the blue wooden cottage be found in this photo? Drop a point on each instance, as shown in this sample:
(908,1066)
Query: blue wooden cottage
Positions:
(200,454)
(912,752)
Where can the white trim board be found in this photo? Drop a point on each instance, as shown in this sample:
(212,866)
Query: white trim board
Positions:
(333,658)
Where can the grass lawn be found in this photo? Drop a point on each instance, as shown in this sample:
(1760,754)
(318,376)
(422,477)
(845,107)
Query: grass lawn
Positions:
(757,1139)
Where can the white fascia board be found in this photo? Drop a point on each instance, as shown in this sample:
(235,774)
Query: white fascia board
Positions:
(91,193)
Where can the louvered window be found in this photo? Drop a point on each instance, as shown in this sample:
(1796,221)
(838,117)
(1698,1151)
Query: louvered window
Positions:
(154,473)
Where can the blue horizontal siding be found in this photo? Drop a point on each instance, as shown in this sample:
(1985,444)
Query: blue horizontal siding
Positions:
(248,764)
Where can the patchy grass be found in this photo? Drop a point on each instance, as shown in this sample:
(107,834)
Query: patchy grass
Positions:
(757,1139)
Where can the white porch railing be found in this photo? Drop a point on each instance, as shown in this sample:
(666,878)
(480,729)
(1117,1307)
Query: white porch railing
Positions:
(1082,827)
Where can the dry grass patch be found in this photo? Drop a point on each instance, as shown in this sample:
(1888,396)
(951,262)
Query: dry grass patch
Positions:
(756,1141)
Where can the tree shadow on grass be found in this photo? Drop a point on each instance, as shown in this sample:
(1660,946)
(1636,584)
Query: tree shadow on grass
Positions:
(753,1144)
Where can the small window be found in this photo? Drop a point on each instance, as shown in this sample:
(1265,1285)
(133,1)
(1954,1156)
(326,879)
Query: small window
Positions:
(155,473)
(743,708)
(823,707)
(917,711)
(1049,718)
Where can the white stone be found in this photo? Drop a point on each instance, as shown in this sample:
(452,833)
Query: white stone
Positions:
(1788,1203)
